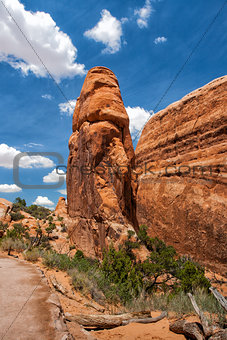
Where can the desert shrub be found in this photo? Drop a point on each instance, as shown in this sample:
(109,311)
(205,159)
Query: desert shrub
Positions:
(50,228)
(32,255)
(17,232)
(119,269)
(82,263)
(60,218)
(8,244)
(16,216)
(164,265)
(3,228)
(19,204)
(63,228)
(52,259)
(86,284)
(37,211)
(191,275)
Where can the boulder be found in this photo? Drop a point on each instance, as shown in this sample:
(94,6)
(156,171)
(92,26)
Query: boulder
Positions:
(101,182)
(5,207)
(181,167)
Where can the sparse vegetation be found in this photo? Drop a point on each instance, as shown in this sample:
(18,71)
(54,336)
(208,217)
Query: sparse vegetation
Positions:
(32,255)
(16,216)
(122,279)
(160,282)
(36,211)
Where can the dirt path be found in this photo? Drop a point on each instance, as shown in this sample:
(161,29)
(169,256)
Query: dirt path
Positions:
(28,309)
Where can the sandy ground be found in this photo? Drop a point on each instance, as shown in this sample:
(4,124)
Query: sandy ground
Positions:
(136,331)
(27,307)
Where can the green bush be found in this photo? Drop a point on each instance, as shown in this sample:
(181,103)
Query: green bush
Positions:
(122,278)
(37,211)
(17,232)
(192,276)
(19,204)
(16,216)
(32,255)
(52,259)
(119,269)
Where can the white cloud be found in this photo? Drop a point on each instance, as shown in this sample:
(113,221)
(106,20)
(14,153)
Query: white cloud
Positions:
(53,176)
(7,155)
(108,31)
(9,188)
(54,47)
(143,14)
(43,200)
(63,191)
(67,108)
(160,40)
(47,96)
(138,117)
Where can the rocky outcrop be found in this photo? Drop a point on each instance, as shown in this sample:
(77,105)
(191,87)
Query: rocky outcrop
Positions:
(5,207)
(101,184)
(61,208)
(181,162)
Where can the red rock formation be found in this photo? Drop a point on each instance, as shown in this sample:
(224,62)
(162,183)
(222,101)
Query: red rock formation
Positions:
(61,208)
(100,180)
(5,207)
(181,203)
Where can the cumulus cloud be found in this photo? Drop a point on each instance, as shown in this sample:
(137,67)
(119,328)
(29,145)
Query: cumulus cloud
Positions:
(138,117)
(143,14)
(7,155)
(107,31)
(7,188)
(43,200)
(53,46)
(53,176)
(67,108)
(47,96)
(160,40)
(63,191)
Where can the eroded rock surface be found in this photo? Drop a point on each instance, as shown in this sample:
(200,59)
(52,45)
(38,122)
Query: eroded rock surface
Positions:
(181,202)
(101,184)
(5,207)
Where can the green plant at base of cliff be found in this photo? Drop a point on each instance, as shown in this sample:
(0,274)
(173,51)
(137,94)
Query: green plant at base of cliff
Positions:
(119,269)
(191,276)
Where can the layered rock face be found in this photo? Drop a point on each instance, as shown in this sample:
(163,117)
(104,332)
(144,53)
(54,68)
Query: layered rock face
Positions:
(182,201)
(101,184)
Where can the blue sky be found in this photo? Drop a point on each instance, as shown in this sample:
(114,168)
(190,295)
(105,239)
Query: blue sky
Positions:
(143,42)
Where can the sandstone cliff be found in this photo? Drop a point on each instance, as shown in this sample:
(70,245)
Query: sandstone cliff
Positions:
(180,200)
(101,184)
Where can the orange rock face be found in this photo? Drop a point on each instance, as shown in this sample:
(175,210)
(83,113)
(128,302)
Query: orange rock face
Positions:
(101,183)
(61,207)
(181,162)
(5,207)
